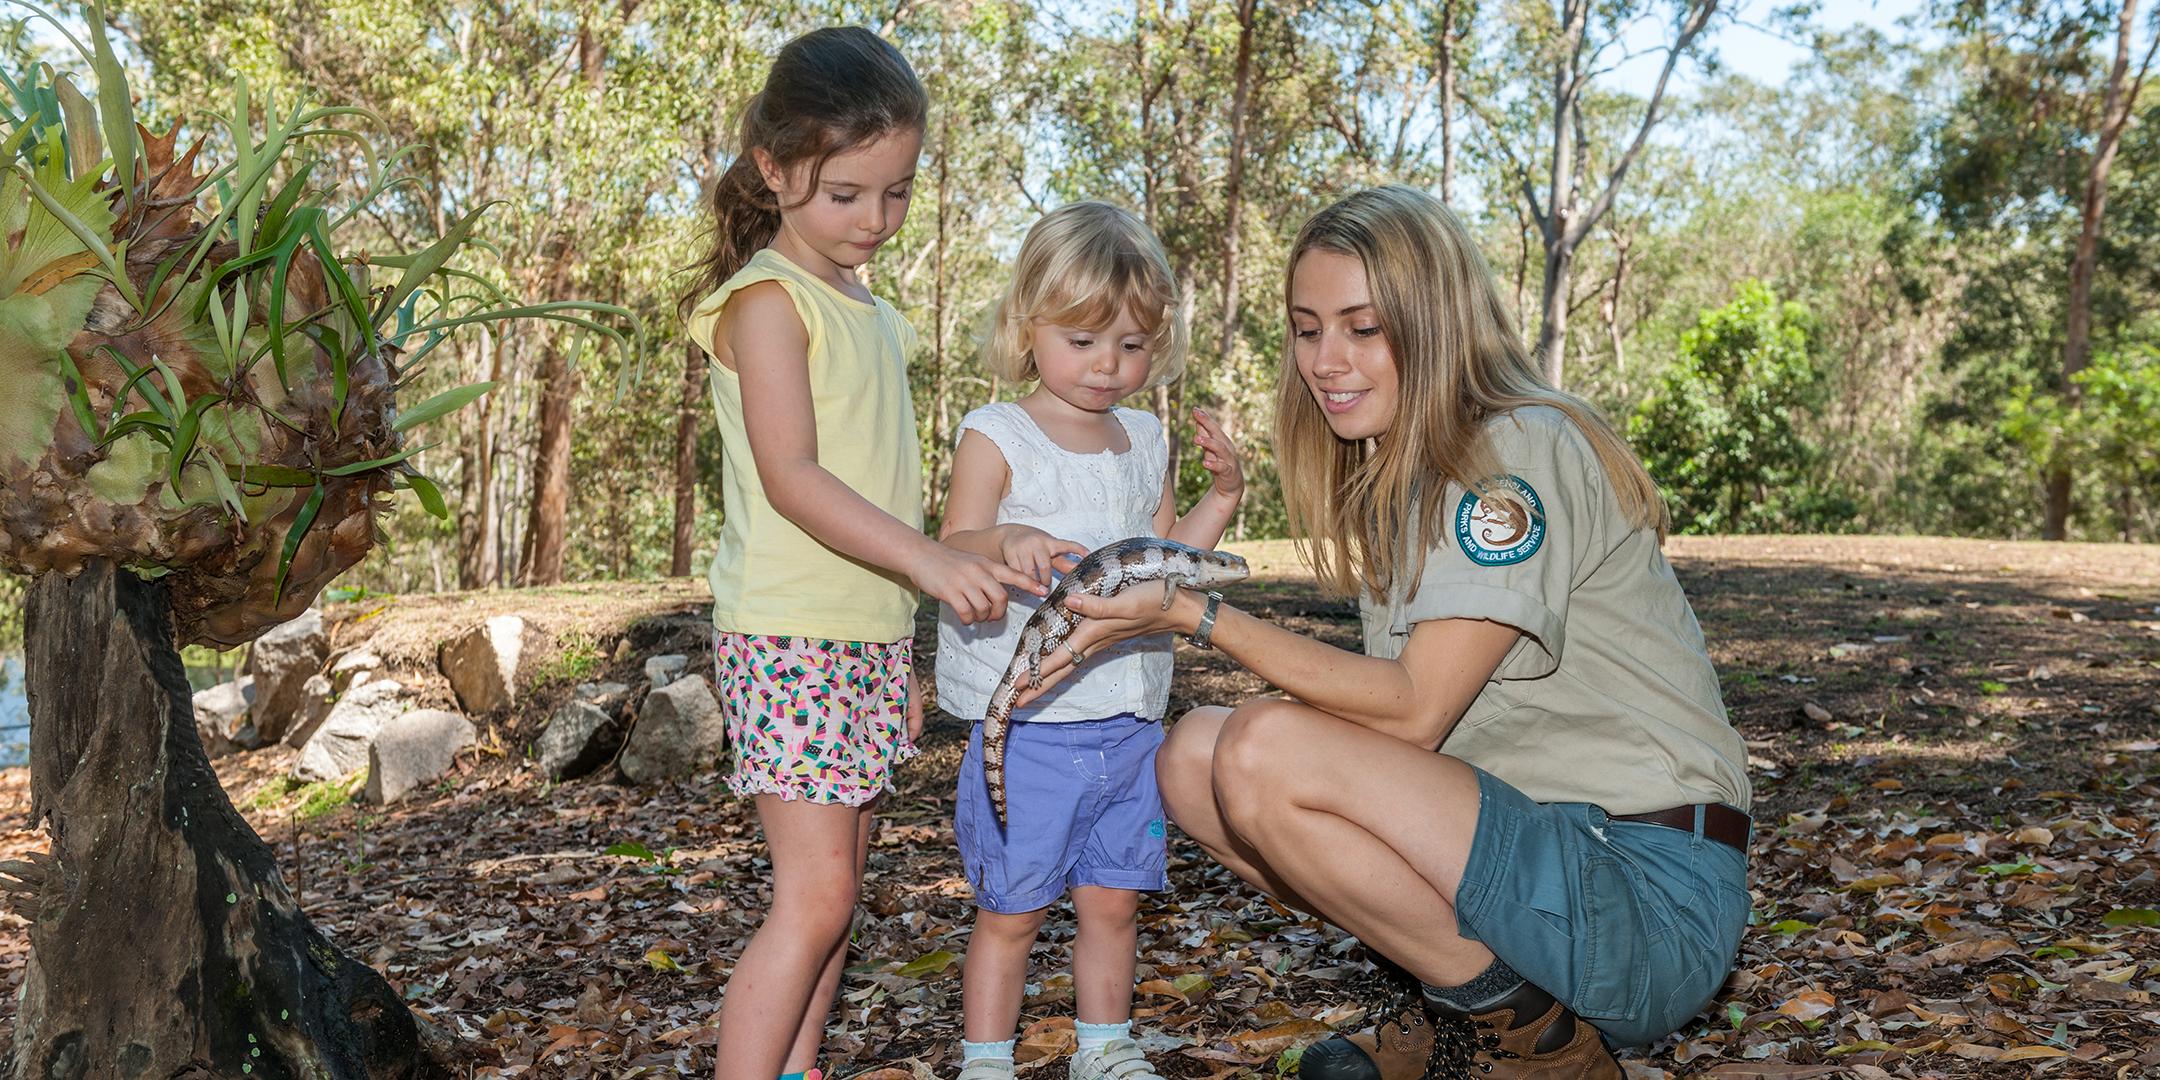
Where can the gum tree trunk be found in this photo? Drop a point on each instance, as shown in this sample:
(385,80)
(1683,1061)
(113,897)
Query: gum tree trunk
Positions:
(163,940)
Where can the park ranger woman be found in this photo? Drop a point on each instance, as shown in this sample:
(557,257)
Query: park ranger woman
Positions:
(1568,871)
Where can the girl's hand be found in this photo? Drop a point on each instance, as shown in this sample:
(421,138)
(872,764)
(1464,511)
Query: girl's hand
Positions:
(1036,553)
(1218,455)
(914,716)
(1107,620)
(973,585)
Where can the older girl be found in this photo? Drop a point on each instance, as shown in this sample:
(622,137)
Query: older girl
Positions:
(1524,791)
(821,550)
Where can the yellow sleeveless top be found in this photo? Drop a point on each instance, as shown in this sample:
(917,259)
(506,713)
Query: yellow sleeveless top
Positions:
(768,576)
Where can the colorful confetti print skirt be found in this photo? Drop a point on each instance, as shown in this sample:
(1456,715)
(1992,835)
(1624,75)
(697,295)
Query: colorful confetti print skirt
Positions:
(811,718)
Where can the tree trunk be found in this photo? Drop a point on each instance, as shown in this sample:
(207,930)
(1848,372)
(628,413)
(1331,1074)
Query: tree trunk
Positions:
(686,429)
(1234,183)
(1447,102)
(1552,328)
(477,564)
(940,379)
(2077,324)
(1610,308)
(548,528)
(163,942)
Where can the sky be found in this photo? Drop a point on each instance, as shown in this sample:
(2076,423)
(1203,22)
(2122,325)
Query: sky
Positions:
(1747,47)
(1744,46)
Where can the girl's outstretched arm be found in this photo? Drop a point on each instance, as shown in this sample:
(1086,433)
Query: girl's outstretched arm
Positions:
(771,354)
(1203,525)
(979,478)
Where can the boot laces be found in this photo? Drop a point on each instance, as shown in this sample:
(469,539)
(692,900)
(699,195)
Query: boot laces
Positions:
(1454,1048)
(1392,995)
(1488,1043)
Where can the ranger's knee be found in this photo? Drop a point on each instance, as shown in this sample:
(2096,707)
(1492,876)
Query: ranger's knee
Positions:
(1187,753)
(1257,741)
(1254,758)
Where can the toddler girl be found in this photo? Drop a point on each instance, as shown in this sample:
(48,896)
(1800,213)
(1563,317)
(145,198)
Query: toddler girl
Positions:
(1092,313)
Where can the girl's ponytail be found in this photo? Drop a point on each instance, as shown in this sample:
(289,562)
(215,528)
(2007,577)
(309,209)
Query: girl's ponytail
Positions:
(745,217)
(829,91)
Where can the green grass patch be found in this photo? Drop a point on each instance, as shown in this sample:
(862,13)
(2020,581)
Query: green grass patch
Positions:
(273,792)
(577,657)
(323,797)
(309,801)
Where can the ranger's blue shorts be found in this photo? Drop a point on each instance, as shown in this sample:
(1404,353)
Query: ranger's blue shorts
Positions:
(1631,925)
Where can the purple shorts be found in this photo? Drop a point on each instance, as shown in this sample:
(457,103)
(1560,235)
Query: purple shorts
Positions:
(1082,809)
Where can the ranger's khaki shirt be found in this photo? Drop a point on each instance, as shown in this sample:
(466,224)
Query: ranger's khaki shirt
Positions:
(1609,696)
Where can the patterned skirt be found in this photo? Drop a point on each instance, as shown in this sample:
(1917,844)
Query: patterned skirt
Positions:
(811,718)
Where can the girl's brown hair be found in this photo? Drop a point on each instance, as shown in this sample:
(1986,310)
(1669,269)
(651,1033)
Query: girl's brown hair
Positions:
(829,91)
(1460,364)
(1080,266)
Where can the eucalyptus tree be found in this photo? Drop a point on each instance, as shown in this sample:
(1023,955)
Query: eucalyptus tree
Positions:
(1566,46)
(2026,163)
(2053,89)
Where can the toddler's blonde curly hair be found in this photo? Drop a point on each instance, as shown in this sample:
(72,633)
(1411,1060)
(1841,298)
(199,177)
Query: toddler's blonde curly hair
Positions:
(1080,266)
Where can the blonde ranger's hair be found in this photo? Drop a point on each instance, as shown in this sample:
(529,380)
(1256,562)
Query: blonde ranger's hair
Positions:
(1460,363)
(1080,266)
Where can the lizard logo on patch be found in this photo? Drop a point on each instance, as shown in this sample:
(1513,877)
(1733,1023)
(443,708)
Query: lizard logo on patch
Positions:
(1505,527)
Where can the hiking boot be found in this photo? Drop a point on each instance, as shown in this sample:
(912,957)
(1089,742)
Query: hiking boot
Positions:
(1528,1034)
(1405,1042)
(1407,1046)
(1446,1043)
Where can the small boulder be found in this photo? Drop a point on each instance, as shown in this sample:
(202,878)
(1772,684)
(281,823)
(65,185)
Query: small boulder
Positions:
(354,669)
(412,749)
(281,662)
(340,747)
(662,670)
(609,696)
(314,708)
(482,663)
(679,732)
(579,738)
(221,717)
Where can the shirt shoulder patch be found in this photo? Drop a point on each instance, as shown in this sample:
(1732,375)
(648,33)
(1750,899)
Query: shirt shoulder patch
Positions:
(1503,527)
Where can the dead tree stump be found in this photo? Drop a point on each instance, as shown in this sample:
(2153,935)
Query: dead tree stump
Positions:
(164,942)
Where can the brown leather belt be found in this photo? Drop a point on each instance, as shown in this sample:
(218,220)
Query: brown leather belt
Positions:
(1721,823)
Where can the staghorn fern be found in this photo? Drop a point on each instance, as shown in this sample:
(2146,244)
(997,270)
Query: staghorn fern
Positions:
(199,385)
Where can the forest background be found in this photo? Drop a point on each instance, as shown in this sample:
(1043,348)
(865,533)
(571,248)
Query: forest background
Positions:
(1907,284)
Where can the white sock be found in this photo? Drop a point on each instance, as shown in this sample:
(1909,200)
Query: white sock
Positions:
(986,1051)
(1097,1036)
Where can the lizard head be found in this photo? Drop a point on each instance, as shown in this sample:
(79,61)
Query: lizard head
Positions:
(1220,568)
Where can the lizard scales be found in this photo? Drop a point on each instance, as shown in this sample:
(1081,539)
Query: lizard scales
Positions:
(1106,571)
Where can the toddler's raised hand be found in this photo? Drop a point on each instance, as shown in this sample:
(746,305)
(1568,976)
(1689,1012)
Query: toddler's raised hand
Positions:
(1036,553)
(1218,455)
(972,585)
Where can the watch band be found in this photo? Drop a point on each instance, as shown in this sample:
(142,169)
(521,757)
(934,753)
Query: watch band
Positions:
(1203,633)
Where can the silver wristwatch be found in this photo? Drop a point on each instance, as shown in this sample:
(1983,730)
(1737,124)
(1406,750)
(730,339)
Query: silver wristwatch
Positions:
(1206,630)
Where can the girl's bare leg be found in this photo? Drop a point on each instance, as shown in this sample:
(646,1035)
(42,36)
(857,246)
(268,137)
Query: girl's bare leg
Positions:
(1105,953)
(804,1054)
(816,850)
(994,978)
